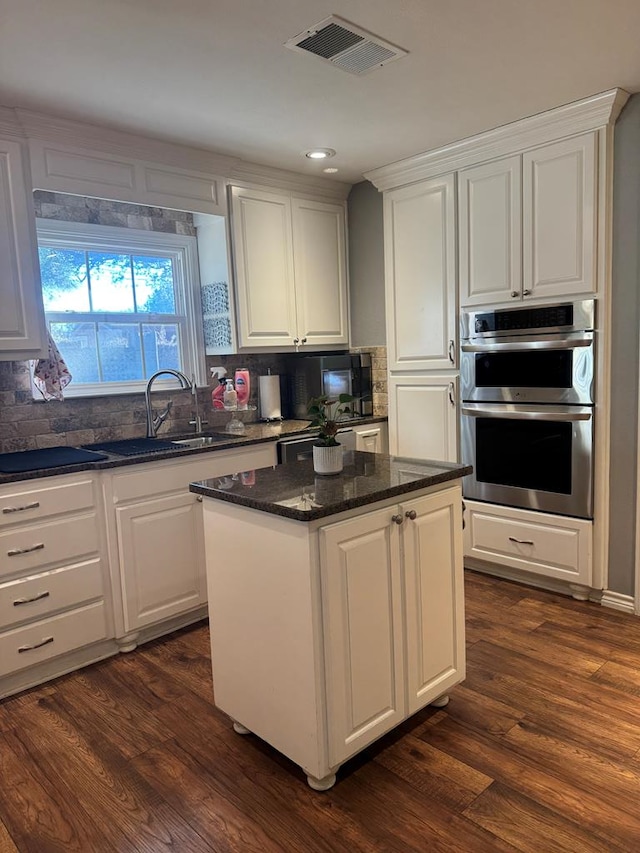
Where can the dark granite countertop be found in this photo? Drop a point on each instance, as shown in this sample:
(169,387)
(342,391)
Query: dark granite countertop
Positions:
(255,433)
(295,491)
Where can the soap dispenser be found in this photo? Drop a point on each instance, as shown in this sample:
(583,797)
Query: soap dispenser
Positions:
(230,397)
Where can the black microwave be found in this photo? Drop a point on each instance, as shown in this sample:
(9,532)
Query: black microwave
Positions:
(310,376)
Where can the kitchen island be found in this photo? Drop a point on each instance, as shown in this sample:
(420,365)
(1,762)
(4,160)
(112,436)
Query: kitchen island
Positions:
(336,603)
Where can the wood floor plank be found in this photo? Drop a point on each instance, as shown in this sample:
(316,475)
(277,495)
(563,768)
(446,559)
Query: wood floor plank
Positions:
(528,826)
(6,842)
(33,810)
(523,774)
(576,718)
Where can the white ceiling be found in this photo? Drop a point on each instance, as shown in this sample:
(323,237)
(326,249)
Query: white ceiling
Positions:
(215,73)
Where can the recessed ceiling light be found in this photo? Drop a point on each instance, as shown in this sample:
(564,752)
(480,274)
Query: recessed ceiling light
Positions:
(330,170)
(320,153)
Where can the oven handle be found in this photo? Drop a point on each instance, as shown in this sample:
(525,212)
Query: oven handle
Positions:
(515,346)
(522,413)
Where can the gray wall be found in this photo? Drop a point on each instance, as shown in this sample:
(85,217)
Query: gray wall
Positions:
(366,266)
(626,313)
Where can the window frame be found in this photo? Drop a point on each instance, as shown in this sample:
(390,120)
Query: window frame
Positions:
(182,249)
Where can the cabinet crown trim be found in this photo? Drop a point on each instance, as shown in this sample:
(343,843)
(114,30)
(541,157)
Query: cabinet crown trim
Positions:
(99,140)
(568,120)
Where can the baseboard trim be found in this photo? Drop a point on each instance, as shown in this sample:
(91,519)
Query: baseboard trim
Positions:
(618,601)
(519,576)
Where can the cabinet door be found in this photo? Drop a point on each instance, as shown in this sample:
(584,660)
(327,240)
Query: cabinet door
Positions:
(22,329)
(263,264)
(369,439)
(161,549)
(560,218)
(490,229)
(420,275)
(432,552)
(320,272)
(362,621)
(423,417)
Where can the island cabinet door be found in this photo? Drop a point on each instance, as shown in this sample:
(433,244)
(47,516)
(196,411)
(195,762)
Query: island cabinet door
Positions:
(434,599)
(363,631)
(161,545)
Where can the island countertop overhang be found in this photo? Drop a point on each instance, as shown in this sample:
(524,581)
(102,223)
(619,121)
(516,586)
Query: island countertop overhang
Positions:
(294,491)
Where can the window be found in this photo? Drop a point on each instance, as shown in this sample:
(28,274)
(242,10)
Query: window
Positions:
(120,304)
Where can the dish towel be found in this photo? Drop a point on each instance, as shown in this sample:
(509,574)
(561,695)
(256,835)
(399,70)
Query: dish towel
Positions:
(51,375)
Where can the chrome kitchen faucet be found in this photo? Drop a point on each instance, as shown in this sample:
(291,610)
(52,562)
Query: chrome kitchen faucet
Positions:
(154,422)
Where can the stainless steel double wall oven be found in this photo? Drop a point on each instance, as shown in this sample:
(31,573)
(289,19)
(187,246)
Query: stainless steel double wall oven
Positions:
(527,406)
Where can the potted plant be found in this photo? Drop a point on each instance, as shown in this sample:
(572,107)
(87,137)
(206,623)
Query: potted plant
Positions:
(325,413)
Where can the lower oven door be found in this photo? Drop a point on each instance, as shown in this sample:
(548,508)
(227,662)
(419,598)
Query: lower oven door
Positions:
(535,457)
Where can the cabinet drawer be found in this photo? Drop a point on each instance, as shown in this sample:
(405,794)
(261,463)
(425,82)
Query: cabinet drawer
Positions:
(36,596)
(21,503)
(553,546)
(164,477)
(32,546)
(49,638)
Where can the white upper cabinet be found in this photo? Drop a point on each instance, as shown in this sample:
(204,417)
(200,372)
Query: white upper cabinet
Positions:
(528,224)
(319,255)
(290,268)
(560,218)
(22,328)
(263,255)
(490,227)
(420,274)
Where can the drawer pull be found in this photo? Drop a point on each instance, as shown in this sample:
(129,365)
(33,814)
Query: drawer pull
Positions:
(37,597)
(15,551)
(35,645)
(521,541)
(7,509)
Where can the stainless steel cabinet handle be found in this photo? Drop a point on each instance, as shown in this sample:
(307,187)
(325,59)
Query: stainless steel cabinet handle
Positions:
(36,645)
(452,394)
(15,551)
(199,498)
(464,509)
(303,341)
(37,597)
(397,519)
(514,294)
(452,352)
(521,541)
(526,292)
(296,341)
(7,509)
(412,514)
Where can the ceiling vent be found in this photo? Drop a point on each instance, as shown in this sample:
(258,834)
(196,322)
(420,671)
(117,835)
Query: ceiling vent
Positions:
(341,43)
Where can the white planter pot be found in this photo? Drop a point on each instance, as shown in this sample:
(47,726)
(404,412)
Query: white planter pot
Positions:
(327,460)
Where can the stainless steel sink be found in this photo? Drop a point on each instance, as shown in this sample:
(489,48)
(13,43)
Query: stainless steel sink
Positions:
(202,440)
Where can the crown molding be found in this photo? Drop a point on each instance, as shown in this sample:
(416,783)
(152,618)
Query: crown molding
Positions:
(282,179)
(9,124)
(568,120)
(107,140)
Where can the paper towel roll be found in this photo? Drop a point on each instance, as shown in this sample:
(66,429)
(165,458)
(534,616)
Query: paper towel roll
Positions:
(270,408)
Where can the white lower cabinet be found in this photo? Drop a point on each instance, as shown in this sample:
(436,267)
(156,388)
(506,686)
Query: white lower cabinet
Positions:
(156,539)
(423,417)
(339,630)
(55,602)
(552,546)
(389,587)
(372,438)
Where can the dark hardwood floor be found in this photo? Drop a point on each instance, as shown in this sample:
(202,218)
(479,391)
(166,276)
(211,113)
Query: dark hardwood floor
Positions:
(538,751)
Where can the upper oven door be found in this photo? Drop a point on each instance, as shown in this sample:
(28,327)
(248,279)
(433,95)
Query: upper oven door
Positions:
(529,369)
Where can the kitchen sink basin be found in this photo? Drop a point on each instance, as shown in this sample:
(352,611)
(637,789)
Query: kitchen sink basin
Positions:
(202,440)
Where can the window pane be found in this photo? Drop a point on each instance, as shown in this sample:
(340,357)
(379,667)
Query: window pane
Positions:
(120,354)
(78,347)
(154,284)
(161,347)
(64,279)
(111,282)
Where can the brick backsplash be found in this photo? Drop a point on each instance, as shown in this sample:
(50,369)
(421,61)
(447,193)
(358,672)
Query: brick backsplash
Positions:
(27,424)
